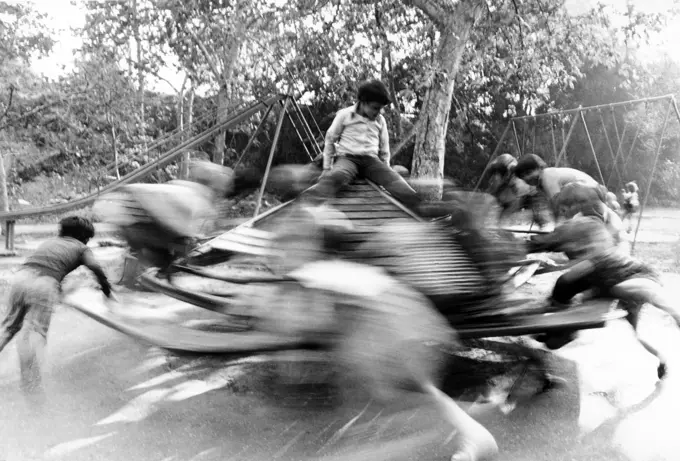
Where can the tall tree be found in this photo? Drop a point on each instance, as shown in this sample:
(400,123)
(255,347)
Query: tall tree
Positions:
(454,21)
(23,35)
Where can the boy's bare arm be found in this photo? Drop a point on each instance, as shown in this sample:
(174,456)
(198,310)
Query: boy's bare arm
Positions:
(91,263)
(549,242)
(332,136)
(384,143)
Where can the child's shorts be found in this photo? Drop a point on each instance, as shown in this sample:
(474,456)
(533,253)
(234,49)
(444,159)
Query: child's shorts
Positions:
(32,297)
(613,268)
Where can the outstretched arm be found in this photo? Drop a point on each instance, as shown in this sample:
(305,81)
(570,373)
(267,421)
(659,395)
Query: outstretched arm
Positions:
(549,242)
(91,263)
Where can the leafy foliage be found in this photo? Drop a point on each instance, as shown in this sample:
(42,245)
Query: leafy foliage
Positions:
(525,57)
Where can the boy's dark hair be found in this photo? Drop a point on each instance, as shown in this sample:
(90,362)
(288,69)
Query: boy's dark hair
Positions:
(502,165)
(374,91)
(528,163)
(77,227)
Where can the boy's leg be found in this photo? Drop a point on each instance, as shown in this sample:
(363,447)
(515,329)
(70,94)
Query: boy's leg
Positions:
(633,308)
(31,343)
(381,174)
(576,280)
(644,290)
(344,170)
(477,441)
(14,316)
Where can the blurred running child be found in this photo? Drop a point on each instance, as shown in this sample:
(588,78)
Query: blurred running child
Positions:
(631,203)
(512,193)
(606,271)
(549,181)
(36,288)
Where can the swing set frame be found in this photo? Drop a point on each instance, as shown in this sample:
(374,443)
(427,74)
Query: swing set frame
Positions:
(520,144)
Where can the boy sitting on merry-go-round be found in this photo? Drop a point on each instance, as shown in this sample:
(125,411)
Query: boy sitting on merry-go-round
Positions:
(600,266)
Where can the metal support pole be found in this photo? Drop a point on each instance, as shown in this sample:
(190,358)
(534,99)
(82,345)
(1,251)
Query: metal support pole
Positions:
(616,157)
(675,108)
(314,120)
(9,235)
(611,149)
(304,146)
(615,104)
(566,141)
(271,156)
(514,130)
(554,143)
(252,138)
(306,127)
(616,127)
(651,175)
(592,148)
(630,151)
(493,155)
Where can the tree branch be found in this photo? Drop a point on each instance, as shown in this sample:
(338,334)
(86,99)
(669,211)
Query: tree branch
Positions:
(519,22)
(35,110)
(206,55)
(9,103)
(436,10)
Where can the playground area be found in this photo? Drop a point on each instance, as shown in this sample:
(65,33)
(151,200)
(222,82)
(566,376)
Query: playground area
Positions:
(111,397)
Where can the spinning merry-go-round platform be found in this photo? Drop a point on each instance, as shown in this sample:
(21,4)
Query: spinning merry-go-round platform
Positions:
(193,313)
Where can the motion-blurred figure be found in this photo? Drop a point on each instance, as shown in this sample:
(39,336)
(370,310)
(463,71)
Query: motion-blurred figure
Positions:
(161,222)
(549,180)
(36,288)
(387,333)
(512,193)
(577,196)
(631,203)
(600,266)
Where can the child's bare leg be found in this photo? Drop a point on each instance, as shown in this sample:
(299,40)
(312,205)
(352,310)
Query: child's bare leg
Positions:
(645,290)
(477,443)
(633,308)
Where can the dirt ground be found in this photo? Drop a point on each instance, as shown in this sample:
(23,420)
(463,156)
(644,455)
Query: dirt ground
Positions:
(115,399)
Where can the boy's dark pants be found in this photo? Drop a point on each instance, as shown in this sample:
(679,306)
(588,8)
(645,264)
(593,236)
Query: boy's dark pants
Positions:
(348,167)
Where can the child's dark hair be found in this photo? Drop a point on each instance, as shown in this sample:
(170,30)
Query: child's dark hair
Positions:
(502,165)
(77,227)
(528,163)
(632,187)
(374,91)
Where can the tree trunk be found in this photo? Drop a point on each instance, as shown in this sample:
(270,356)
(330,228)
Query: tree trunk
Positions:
(454,22)
(114,144)
(186,157)
(224,95)
(140,74)
(4,196)
(220,139)
(386,69)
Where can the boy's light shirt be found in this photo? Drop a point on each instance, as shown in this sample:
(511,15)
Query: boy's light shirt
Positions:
(351,133)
